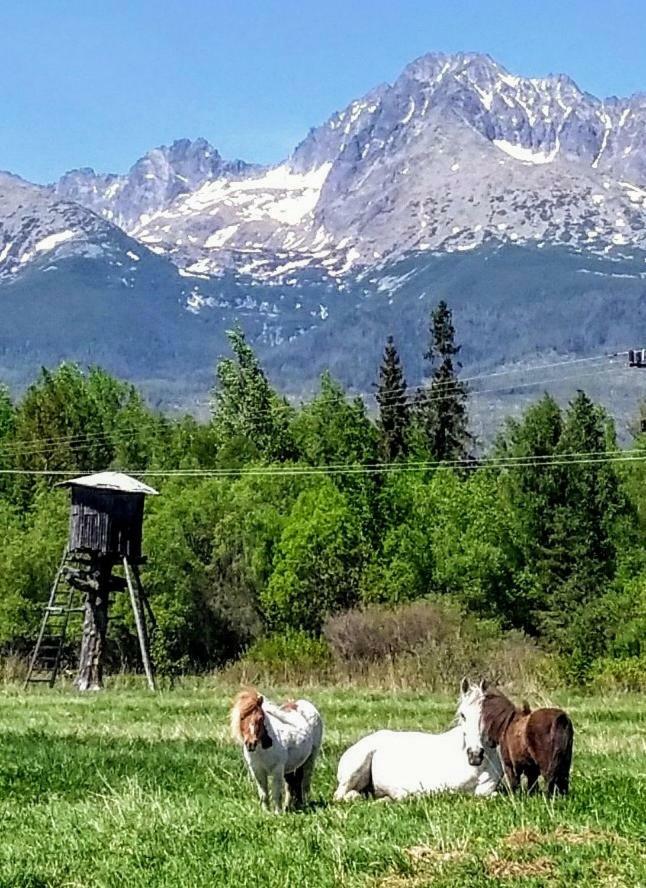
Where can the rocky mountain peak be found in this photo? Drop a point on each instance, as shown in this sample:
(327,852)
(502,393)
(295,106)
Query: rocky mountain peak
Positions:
(152,183)
(455,153)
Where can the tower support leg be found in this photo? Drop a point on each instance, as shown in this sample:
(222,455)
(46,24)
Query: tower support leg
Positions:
(95,628)
(140,622)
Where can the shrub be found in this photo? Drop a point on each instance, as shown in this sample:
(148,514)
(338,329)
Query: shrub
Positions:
(291,657)
(431,644)
(628,674)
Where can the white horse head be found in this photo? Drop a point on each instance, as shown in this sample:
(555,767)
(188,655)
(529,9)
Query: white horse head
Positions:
(469,718)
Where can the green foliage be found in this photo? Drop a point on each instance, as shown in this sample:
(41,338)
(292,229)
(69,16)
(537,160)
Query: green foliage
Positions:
(611,674)
(332,431)
(289,656)
(470,543)
(318,561)
(246,410)
(583,551)
(179,533)
(7,420)
(300,522)
(29,556)
(402,567)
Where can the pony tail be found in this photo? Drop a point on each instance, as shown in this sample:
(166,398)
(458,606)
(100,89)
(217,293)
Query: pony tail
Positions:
(558,773)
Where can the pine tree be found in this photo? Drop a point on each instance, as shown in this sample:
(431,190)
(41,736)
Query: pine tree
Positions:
(582,543)
(250,419)
(394,413)
(441,409)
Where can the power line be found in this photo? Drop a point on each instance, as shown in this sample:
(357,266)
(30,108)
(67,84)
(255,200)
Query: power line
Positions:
(409,401)
(73,440)
(544,461)
(498,373)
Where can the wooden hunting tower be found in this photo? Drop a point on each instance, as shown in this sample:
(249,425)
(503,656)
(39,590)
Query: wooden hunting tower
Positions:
(105,531)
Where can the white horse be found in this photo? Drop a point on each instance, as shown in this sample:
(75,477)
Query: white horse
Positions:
(280,744)
(396,764)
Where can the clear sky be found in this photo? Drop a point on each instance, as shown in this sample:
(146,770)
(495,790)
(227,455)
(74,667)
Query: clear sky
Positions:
(99,82)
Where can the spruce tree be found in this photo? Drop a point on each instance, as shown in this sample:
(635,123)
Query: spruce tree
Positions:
(441,409)
(394,413)
(250,419)
(583,543)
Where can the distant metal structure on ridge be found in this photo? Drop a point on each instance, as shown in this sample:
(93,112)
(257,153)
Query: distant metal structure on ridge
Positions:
(105,531)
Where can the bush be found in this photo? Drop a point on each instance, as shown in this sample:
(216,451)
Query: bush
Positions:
(628,674)
(431,644)
(292,657)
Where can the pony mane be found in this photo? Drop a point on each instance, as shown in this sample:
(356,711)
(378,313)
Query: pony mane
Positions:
(244,704)
(497,713)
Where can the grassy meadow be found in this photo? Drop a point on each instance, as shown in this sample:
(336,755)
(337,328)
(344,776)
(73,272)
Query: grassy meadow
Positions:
(130,789)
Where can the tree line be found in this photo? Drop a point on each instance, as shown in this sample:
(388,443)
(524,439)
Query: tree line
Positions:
(313,509)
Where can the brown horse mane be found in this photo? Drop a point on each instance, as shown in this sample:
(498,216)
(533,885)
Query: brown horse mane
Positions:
(246,702)
(498,712)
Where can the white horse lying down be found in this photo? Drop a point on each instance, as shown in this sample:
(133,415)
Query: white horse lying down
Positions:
(280,744)
(396,764)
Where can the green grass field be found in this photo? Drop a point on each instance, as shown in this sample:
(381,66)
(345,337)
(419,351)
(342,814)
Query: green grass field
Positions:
(130,789)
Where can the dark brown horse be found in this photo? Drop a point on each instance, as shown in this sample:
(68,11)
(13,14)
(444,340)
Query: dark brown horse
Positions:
(534,743)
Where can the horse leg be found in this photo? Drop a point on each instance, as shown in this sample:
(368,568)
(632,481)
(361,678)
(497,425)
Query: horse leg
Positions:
(533,773)
(295,793)
(277,790)
(261,786)
(512,777)
(307,770)
(558,783)
(558,780)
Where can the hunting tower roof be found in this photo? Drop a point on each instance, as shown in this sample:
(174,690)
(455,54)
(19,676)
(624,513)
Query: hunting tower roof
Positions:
(115,481)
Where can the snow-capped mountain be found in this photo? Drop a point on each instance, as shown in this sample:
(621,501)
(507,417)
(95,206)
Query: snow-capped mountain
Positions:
(456,152)
(36,228)
(522,201)
(153,183)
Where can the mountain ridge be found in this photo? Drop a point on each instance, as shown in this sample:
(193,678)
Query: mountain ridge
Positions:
(383,207)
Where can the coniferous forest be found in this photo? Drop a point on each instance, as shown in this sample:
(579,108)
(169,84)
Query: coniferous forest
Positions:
(338,540)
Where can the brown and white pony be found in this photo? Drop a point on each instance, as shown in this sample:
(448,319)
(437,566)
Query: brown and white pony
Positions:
(533,744)
(280,745)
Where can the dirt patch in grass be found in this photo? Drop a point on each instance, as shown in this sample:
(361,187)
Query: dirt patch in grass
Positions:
(499,868)
(585,836)
(522,838)
(429,855)
(426,860)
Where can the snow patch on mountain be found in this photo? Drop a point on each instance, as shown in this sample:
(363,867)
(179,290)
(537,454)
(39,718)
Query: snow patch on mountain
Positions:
(526,155)
(53,240)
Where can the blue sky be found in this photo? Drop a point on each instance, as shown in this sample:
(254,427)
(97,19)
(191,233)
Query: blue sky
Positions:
(99,82)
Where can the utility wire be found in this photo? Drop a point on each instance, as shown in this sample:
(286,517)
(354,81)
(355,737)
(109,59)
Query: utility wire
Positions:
(72,439)
(431,399)
(34,447)
(493,463)
(497,373)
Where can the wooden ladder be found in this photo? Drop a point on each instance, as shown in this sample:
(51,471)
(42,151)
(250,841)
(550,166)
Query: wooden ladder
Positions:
(63,601)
